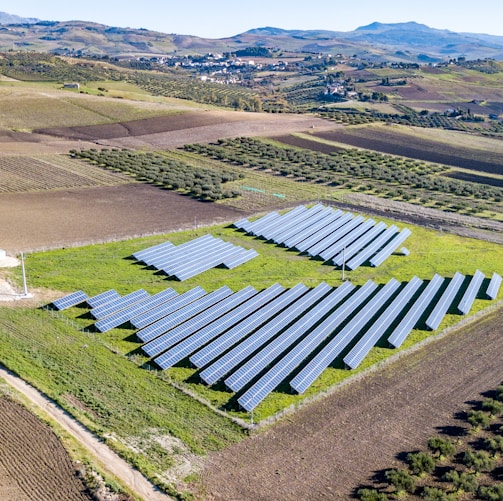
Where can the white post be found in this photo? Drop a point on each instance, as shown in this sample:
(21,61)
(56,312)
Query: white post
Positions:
(343,262)
(25,288)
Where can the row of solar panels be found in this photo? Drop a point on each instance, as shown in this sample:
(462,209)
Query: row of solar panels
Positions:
(334,235)
(193,257)
(255,339)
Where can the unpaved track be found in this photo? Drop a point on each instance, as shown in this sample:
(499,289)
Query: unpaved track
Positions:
(112,462)
(331,447)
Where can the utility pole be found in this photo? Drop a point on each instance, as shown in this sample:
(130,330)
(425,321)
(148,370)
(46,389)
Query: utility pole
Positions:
(25,288)
(343,262)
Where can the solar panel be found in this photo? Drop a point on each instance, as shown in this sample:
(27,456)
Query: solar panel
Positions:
(358,244)
(303,380)
(328,219)
(239,331)
(389,248)
(283,220)
(239,224)
(140,255)
(181,316)
(317,249)
(238,379)
(262,221)
(231,318)
(240,258)
(354,234)
(166,308)
(264,225)
(446,299)
(192,271)
(118,304)
(371,249)
(282,368)
(257,339)
(293,225)
(471,292)
(72,299)
(324,232)
(102,298)
(410,319)
(181,334)
(376,330)
(125,315)
(494,286)
(303,226)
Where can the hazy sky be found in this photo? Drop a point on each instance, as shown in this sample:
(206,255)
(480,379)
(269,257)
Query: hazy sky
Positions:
(223,18)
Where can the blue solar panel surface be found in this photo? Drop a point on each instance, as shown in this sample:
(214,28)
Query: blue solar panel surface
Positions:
(155,314)
(494,286)
(471,292)
(410,319)
(281,369)
(262,221)
(328,218)
(377,329)
(238,379)
(181,334)
(303,226)
(278,236)
(118,304)
(303,380)
(238,332)
(446,299)
(102,298)
(256,340)
(69,300)
(391,247)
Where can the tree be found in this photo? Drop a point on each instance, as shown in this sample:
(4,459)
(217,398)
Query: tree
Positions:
(464,481)
(478,461)
(478,419)
(436,494)
(443,447)
(371,495)
(401,480)
(491,493)
(420,462)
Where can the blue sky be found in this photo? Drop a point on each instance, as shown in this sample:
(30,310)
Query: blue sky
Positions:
(222,18)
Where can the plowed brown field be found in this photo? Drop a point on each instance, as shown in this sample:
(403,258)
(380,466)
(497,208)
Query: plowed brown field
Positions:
(33,463)
(331,447)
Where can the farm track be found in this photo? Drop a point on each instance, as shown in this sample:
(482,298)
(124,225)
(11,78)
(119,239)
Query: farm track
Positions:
(331,447)
(33,463)
(128,475)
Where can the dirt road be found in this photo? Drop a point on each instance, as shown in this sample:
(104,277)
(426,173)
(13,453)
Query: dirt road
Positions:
(112,462)
(332,447)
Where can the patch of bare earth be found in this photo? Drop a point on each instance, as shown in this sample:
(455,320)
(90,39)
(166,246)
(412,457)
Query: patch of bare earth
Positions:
(65,218)
(33,463)
(331,447)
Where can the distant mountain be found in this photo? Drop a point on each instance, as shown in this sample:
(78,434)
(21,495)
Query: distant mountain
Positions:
(13,19)
(409,42)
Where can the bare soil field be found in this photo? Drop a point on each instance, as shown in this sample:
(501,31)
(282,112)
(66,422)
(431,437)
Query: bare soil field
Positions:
(466,176)
(393,142)
(176,130)
(330,448)
(64,218)
(33,463)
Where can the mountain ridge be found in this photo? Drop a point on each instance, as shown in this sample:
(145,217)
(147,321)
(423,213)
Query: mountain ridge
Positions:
(376,41)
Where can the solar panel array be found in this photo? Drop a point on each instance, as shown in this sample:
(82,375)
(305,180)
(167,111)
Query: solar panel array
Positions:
(69,300)
(332,235)
(192,258)
(255,340)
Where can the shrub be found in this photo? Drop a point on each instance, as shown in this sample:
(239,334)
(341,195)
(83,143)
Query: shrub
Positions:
(401,480)
(494,407)
(436,494)
(441,446)
(491,493)
(478,461)
(420,462)
(371,495)
(462,481)
(478,419)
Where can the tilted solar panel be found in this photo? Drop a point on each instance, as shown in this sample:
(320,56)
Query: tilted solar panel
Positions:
(166,308)
(118,304)
(241,258)
(446,299)
(377,329)
(178,341)
(262,221)
(494,286)
(410,319)
(391,247)
(282,368)
(238,379)
(69,300)
(238,332)
(303,380)
(471,292)
(283,220)
(277,234)
(140,255)
(102,298)
(328,219)
(236,355)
